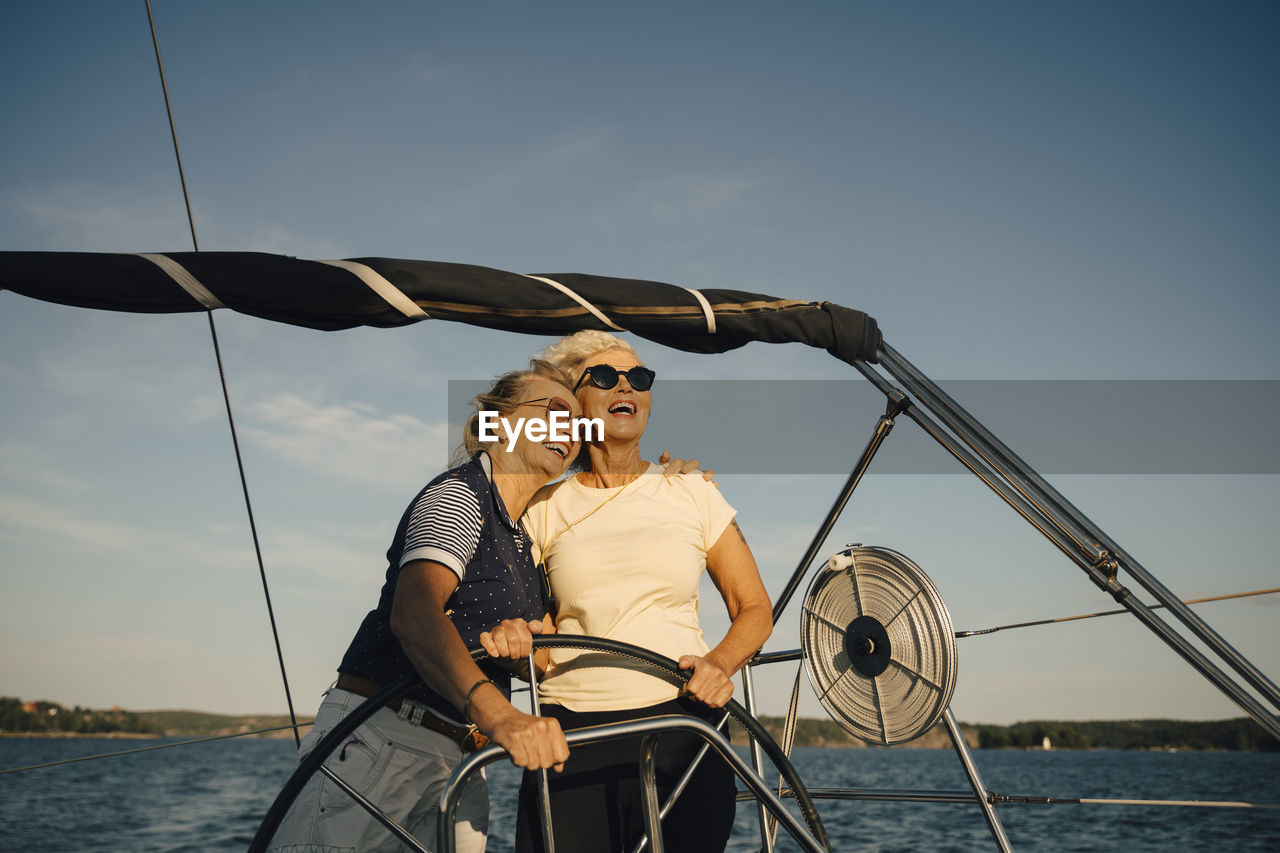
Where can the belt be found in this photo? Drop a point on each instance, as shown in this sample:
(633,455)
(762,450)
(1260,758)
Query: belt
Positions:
(468,738)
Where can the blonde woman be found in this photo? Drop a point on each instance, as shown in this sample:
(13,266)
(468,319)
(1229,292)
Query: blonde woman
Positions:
(459,566)
(624,549)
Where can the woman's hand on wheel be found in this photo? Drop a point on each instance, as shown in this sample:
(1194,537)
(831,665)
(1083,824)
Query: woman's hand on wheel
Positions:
(710,684)
(533,742)
(511,638)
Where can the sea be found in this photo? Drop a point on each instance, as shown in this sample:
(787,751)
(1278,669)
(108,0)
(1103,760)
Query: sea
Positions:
(211,797)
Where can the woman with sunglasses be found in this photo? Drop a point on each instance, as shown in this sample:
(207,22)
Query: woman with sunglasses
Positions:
(624,549)
(459,569)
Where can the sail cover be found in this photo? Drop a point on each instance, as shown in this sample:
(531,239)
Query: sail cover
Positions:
(388,292)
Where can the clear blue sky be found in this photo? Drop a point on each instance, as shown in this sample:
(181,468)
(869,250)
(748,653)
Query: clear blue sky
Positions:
(1059,190)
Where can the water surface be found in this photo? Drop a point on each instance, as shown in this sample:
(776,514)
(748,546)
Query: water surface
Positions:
(210,797)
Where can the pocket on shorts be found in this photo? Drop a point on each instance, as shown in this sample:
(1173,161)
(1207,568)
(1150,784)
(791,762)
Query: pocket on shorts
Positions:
(332,711)
(358,763)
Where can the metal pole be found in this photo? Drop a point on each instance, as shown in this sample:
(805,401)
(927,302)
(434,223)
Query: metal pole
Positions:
(1035,517)
(757,760)
(544,786)
(1089,558)
(1015,469)
(649,792)
(979,790)
(883,427)
(684,783)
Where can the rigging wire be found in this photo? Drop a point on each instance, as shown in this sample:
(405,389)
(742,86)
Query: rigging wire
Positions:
(998,799)
(1097,801)
(961,634)
(190,742)
(226,394)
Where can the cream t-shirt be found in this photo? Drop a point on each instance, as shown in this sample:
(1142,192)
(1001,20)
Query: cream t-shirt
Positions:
(624,563)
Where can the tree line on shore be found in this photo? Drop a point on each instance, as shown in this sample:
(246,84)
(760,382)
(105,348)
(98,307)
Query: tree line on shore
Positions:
(41,717)
(1241,734)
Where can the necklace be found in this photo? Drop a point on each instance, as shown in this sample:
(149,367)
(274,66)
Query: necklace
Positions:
(545,546)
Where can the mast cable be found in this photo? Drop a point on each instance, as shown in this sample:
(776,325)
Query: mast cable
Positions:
(152,748)
(226,395)
(982,631)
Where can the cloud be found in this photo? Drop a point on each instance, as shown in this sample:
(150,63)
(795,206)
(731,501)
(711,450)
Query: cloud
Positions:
(90,220)
(36,521)
(87,219)
(539,166)
(354,442)
(324,559)
(684,199)
(273,239)
(345,556)
(28,467)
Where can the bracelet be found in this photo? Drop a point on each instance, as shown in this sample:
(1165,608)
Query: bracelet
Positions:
(466,703)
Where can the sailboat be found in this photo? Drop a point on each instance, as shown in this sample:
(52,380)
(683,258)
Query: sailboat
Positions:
(392,294)
(878,642)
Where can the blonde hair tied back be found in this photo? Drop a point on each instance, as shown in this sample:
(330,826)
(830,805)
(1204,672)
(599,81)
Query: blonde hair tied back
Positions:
(506,392)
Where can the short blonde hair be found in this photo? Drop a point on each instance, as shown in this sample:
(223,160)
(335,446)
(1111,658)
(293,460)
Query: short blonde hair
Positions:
(570,353)
(506,393)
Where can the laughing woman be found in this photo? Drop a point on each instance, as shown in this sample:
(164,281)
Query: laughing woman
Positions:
(624,548)
(459,566)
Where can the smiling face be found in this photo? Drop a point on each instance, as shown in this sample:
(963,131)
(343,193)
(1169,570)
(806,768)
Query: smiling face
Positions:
(550,458)
(624,410)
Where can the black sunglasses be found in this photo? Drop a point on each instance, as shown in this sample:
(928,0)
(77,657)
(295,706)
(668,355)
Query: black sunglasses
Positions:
(604,376)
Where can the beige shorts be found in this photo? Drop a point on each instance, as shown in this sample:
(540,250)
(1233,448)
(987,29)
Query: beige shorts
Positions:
(400,767)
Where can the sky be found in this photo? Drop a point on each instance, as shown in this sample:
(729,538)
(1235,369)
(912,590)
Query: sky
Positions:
(1020,194)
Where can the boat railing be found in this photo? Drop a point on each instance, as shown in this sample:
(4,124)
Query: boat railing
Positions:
(663,667)
(651,729)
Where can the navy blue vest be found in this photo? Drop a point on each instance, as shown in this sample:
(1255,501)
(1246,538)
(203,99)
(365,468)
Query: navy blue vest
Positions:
(500,582)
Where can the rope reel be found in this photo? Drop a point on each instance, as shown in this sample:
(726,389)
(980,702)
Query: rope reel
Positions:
(878,645)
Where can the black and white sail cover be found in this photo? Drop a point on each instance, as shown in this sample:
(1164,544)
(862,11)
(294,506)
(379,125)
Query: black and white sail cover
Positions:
(388,292)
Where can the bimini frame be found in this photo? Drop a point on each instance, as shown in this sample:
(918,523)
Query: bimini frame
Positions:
(1083,542)
(1103,561)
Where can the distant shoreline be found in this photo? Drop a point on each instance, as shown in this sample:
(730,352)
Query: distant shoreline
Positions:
(303,728)
(53,721)
(1233,735)
(83,735)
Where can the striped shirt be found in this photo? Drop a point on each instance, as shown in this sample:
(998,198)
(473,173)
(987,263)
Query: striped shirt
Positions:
(459,521)
(444,525)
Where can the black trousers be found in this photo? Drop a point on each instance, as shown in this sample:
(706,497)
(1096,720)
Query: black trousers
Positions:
(596,802)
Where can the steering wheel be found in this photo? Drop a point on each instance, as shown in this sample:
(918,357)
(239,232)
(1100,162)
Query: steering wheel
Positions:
(665,667)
